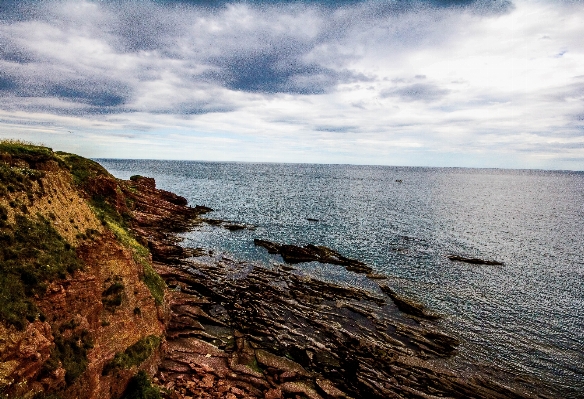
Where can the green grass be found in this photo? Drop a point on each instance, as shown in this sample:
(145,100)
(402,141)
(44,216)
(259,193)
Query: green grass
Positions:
(33,154)
(133,355)
(32,254)
(13,179)
(70,353)
(82,169)
(141,255)
(140,387)
(154,282)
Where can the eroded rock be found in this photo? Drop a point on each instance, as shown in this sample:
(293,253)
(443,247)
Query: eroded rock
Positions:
(313,253)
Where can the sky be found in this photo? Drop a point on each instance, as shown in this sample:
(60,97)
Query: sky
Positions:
(472,83)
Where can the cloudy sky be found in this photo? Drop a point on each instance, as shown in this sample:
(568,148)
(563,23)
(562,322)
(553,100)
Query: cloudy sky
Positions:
(483,83)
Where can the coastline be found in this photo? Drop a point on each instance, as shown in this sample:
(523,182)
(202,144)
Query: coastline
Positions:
(243,330)
(102,324)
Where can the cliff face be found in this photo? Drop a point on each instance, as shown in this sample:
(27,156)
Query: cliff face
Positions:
(81,309)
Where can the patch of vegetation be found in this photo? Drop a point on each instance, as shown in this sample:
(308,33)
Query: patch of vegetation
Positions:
(14,179)
(71,354)
(153,281)
(70,325)
(82,169)
(112,296)
(105,212)
(30,153)
(140,387)
(32,254)
(255,366)
(133,355)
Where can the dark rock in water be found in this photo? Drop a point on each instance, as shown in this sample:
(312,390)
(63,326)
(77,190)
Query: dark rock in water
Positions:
(272,247)
(407,305)
(475,261)
(203,209)
(232,226)
(376,276)
(313,253)
(312,220)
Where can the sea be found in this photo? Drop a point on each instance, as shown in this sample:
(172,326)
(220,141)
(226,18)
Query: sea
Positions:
(524,318)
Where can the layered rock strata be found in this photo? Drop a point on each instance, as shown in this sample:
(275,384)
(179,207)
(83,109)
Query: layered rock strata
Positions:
(238,330)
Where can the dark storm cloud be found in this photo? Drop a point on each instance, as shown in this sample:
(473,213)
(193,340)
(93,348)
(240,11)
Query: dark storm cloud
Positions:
(6,84)
(416,92)
(11,53)
(81,92)
(279,73)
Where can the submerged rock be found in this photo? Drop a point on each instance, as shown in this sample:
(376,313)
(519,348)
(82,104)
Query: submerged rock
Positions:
(232,226)
(475,261)
(408,306)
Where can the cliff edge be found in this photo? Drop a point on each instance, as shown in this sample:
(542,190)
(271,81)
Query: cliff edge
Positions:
(81,308)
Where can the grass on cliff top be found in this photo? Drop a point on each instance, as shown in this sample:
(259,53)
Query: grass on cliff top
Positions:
(83,169)
(32,254)
(29,152)
(134,355)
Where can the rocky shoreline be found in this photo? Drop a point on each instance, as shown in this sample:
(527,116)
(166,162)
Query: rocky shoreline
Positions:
(237,330)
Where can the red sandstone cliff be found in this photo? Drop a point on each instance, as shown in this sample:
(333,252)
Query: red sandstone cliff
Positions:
(82,309)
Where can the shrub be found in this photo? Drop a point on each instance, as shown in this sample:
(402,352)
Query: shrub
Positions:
(140,387)
(32,254)
(133,355)
(71,353)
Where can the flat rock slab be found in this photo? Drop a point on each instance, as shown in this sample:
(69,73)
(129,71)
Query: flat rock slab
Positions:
(312,253)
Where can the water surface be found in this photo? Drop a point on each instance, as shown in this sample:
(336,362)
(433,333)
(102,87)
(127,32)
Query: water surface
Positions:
(525,317)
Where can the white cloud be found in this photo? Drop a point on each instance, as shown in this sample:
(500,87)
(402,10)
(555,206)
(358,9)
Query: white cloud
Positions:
(414,84)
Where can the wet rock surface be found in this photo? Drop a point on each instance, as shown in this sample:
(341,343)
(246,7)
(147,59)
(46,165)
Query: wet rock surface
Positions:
(229,225)
(313,253)
(237,330)
(407,305)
